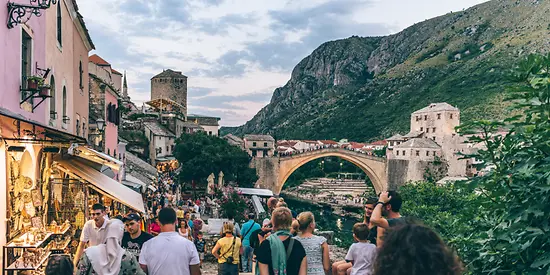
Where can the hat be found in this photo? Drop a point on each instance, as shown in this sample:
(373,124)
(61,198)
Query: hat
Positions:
(266,222)
(132,217)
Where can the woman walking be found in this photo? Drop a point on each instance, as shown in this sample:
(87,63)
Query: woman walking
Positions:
(184,230)
(317,253)
(228,250)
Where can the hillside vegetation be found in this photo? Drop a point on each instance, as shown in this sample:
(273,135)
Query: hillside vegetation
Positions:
(365,88)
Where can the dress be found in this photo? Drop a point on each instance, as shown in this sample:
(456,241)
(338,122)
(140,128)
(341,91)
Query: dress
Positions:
(129,266)
(314,253)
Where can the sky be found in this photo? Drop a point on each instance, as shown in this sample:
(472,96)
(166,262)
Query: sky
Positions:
(236,52)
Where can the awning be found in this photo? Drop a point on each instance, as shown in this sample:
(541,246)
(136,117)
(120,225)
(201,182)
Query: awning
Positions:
(29,131)
(96,156)
(134,182)
(153,188)
(102,183)
(257,203)
(255,191)
(164,159)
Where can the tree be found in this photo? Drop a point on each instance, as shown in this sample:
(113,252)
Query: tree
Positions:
(516,189)
(200,155)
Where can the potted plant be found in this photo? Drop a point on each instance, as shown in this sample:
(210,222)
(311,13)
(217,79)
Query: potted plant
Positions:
(45,90)
(33,81)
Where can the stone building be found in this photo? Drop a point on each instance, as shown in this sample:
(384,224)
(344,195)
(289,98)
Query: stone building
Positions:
(210,124)
(432,134)
(234,140)
(259,145)
(170,85)
(161,142)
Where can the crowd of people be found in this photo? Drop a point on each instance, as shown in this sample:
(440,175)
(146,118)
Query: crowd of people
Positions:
(284,243)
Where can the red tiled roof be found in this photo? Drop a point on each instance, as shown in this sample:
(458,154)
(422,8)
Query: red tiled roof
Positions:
(328,142)
(115,72)
(379,142)
(309,141)
(98,60)
(357,145)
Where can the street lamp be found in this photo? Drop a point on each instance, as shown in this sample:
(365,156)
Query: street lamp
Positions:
(100,125)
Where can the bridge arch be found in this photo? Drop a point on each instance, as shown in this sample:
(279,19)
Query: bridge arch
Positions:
(374,167)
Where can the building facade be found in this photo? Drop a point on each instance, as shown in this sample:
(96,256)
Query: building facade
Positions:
(259,146)
(104,100)
(161,142)
(210,124)
(170,85)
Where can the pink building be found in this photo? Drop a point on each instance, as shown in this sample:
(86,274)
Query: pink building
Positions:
(105,88)
(22,54)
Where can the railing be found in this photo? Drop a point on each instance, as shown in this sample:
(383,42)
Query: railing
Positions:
(316,150)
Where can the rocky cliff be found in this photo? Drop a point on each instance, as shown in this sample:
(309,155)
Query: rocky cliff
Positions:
(364,88)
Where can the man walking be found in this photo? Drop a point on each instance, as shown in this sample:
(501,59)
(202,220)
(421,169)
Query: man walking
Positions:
(169,253)
(133,239)
(93,232)
(248,228)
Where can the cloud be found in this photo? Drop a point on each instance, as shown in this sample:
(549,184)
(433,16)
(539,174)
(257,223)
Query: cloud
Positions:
(235,55)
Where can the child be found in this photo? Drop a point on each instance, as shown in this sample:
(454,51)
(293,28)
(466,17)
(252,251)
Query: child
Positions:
(362,253)
(200,244)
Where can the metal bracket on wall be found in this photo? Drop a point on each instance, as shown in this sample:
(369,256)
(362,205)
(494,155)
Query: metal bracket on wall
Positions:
(21,13)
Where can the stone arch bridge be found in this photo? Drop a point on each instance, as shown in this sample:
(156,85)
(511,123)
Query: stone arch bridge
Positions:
(274,171)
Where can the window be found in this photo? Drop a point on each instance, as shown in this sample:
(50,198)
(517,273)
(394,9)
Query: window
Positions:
(433,138)
(254,153)
(209,133)
(119,156)
(167,149)
(434,153)
(253,144)
(451,116)
(160,138)
(59,32)
(84,127)
(172,147)
(427,153)
(160,150)
(114,153)
(403,152)
(108,151)
(80,72)
(64,102)
(425,117)
(438,116)
(397,152)
(433,130)
(421,129)
(77,125)
(265,144)
(417,153)
(53,112)
(26,63)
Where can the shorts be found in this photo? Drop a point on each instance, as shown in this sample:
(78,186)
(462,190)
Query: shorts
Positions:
(201,255)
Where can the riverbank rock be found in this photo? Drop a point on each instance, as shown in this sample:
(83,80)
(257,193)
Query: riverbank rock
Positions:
(329,235)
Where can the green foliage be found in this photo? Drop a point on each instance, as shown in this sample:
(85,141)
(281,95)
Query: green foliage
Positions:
(450,210)
(200,155)
(517,187)
(136,139)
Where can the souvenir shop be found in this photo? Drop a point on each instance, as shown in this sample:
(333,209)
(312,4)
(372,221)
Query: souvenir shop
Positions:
(49,185)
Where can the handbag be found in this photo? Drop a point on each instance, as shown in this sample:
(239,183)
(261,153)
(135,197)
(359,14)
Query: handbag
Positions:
(230,259)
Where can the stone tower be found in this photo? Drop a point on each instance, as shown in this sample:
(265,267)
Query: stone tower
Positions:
(170,85)
(125,87)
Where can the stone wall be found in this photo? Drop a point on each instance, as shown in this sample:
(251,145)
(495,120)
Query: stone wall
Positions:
(267,170)
(397,173)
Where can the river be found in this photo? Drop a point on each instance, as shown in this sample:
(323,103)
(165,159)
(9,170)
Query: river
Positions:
(327,220)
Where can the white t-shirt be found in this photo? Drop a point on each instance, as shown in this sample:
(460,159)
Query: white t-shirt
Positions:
(362,255)
(92,234)
(168,253)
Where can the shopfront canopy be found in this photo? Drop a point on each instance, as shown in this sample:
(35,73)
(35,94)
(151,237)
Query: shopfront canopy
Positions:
(96,156)
(255,191)
(257,203)
(102,183)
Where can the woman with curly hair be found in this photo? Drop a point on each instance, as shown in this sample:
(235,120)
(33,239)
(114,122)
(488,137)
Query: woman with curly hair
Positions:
(415,249)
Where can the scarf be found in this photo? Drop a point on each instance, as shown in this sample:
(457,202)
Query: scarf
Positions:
(106,258)
(278,252)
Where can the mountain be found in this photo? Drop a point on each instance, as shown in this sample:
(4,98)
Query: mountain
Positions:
(365,88)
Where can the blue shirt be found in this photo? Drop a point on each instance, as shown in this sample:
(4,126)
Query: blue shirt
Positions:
(249,227)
